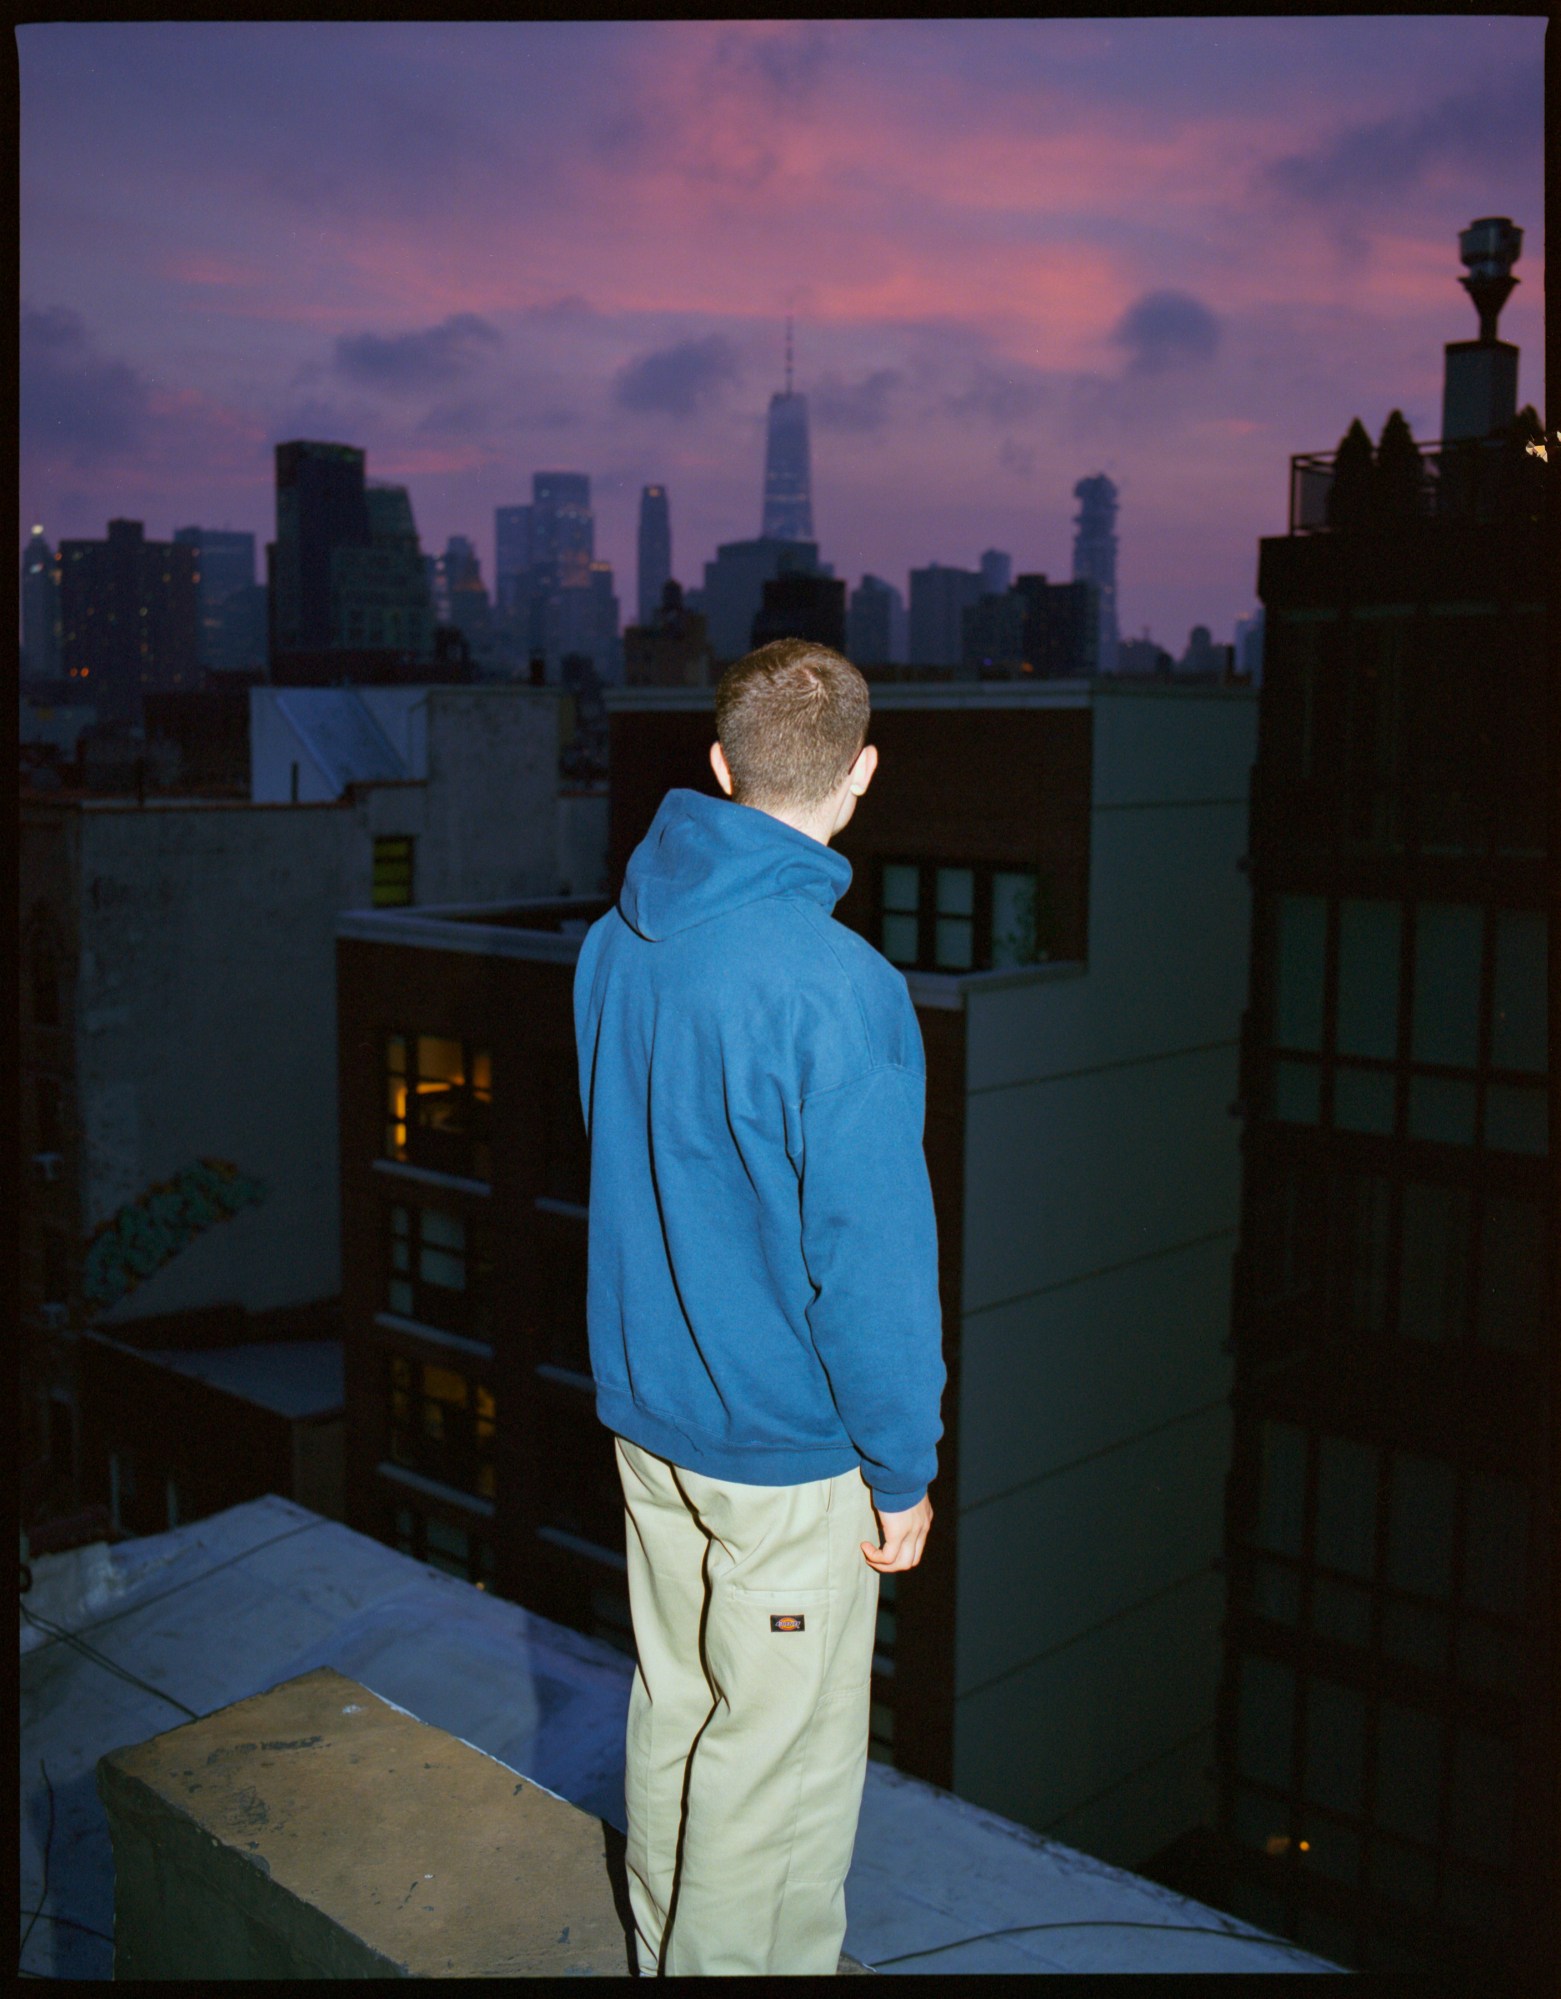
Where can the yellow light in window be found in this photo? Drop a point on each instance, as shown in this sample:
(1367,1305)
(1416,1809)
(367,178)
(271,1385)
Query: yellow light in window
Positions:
(1306,1846)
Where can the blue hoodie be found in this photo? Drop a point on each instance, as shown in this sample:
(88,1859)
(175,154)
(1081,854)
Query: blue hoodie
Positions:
(763,1289)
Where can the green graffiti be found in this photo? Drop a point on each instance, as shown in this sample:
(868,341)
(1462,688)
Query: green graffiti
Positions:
(146,1234)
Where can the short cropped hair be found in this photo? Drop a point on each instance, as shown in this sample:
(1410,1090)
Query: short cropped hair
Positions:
(791,718)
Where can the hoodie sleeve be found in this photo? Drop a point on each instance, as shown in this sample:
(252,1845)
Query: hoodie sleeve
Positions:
(869,1239)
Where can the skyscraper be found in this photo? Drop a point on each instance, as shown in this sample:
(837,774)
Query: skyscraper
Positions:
(1095,557)
(128,618)
(875,624)
(225,564)
(655,550)
(997,572)
(40,608)
(940,596)
(734,586)
(511,556)
(563,532)
(1387,1750)
(788,477)
(320,507)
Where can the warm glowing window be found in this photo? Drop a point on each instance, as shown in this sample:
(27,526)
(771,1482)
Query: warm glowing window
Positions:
(442,1425)
(438,1101)
(392,872)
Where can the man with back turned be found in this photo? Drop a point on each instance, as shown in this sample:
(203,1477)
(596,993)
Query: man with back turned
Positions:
(764,1322)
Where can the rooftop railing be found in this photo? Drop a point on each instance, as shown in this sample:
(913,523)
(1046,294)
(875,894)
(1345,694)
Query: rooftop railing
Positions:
(1472,479)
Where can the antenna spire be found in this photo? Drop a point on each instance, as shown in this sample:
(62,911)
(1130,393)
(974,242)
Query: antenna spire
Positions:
(788,353)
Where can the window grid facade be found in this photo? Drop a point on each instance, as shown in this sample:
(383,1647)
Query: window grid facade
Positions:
(933,916)
(1381,1753)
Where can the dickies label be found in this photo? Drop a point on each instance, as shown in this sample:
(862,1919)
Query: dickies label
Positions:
(787,1624)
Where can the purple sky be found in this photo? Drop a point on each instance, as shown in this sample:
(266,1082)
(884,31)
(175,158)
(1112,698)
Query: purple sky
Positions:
(1018,252)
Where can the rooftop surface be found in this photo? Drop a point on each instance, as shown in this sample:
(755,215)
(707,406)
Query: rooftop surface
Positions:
(122,1643)
(295,1378)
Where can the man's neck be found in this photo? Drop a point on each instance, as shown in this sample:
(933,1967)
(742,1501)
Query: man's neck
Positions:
(818,825)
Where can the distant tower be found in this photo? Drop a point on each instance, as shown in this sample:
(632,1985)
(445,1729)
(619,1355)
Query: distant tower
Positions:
(1480,385)
(655,551)
(788,480)
(997,572)
(40,609)
(1095,557)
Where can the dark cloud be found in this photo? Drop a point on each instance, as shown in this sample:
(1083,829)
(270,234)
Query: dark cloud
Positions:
(858,406)
(1167,329)
(1487,126)
(74,398)
(793,64)
(428,360)
(998,396)
(1017,458)
(676,380)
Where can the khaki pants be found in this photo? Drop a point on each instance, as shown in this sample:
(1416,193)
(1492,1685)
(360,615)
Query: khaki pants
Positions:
(754,1615)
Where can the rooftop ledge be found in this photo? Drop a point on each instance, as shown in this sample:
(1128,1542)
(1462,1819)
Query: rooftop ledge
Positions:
(550,929)
(319,1831)
(954,693)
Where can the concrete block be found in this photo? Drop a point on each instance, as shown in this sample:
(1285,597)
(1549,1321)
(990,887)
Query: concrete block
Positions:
(315,1831)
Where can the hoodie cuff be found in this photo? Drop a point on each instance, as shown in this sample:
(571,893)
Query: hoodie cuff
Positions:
(897,1502)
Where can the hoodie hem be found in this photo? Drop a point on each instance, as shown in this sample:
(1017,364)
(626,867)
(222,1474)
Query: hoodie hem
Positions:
(752,1464)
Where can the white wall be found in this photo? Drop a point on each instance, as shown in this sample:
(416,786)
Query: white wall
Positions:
(1101,1210)
(206,1028)
(206,998)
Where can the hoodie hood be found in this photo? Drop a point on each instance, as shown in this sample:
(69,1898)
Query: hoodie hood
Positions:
(704,856)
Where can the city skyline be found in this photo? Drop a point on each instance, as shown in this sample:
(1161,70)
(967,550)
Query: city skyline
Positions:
(1018,254)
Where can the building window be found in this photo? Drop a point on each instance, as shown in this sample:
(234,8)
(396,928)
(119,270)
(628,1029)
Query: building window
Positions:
(392,871)
(1368,978)
(978,918)
(442,1425)
(456,1550)
(1446,1014)
(438,1271)
(438,1101)
(1300,946)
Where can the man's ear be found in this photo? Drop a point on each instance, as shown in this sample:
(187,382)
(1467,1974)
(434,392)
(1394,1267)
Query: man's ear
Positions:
(723,776)
(862,770)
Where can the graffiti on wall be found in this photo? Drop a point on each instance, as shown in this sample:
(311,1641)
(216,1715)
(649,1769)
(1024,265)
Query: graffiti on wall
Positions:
(147,1233)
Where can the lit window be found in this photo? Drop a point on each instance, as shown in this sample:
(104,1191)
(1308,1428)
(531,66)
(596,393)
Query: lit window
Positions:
(392,872)
(438,1103)
(442,1425)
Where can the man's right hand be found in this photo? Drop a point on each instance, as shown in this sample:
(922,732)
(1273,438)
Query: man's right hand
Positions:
(904,1537)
